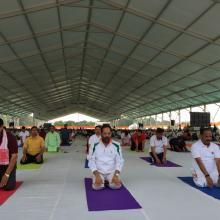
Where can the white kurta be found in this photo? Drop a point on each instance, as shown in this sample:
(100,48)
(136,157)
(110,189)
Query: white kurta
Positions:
(106,159)
(208,154)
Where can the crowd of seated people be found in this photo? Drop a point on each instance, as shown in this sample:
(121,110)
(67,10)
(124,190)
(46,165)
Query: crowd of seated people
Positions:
(35,141)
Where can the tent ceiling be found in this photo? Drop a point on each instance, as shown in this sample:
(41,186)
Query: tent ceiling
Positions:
(106,58)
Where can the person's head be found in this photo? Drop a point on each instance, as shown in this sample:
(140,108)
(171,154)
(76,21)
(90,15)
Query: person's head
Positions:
(52,128)
(23,128)
(1,125)
(98,130)
(206,135)
(65,126)
(126,133)
(159,133)
(106,133)
(34,131)
(139,132)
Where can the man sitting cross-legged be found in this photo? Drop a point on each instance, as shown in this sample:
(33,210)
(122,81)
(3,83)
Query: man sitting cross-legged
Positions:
(206,160)
(33,148)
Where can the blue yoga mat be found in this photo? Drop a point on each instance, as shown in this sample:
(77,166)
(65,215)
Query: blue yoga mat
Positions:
(213,192)
(86,163)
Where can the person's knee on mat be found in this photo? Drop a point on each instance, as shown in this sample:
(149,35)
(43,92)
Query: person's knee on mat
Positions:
(114,186)
(24,162)
(9,188)
(39,162)
(98,187)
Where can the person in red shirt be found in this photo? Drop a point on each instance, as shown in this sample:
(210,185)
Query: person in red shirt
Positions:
(138,140)
(42,133)
(8,159)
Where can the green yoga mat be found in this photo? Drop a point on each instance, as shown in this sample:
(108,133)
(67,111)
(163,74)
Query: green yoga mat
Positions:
(30,166)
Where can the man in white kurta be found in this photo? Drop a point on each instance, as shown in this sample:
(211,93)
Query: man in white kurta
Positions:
(52,140)
(206,161)
(106,161)
(95,138)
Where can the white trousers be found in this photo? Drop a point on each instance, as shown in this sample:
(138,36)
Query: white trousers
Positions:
(105,177)
(200,180)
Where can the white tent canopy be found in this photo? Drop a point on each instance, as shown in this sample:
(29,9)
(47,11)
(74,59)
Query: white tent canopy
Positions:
(105,58)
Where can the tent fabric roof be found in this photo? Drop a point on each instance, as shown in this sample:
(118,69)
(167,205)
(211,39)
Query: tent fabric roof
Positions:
(106,58)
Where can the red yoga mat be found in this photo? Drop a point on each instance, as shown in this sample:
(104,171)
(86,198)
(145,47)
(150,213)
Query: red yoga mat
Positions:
(5,195)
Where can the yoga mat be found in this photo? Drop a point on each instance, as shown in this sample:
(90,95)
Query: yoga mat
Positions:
(52,150)
(213,192)
(86,163)
(168,163)
(30,166)
(4,195)
(108,199)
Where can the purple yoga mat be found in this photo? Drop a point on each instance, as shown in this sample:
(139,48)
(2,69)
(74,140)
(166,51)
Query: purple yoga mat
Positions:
(109,199)
(168,163)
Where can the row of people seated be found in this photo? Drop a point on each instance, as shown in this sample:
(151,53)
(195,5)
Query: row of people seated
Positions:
(34,146)
(33,151)
(106,160)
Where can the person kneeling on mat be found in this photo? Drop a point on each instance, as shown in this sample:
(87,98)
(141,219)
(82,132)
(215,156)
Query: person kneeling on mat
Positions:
(8,159)
(106,161)
(33,148)
(206,160)
(138,140)
(158,147)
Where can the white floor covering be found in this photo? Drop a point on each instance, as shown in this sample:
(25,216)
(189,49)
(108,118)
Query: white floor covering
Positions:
(56,191)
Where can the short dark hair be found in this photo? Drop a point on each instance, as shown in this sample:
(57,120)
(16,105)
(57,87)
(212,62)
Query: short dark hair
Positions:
(1,122)
(34,127)
(98,126)
(159,130)
(106,126)
(23,127)
(139,130)
(204,129)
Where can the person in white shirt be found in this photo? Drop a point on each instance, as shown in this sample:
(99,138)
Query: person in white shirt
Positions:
(96,137)
(125,138)
(206,160)
(23,134)
(93,139)
(158,147)
(106,161)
